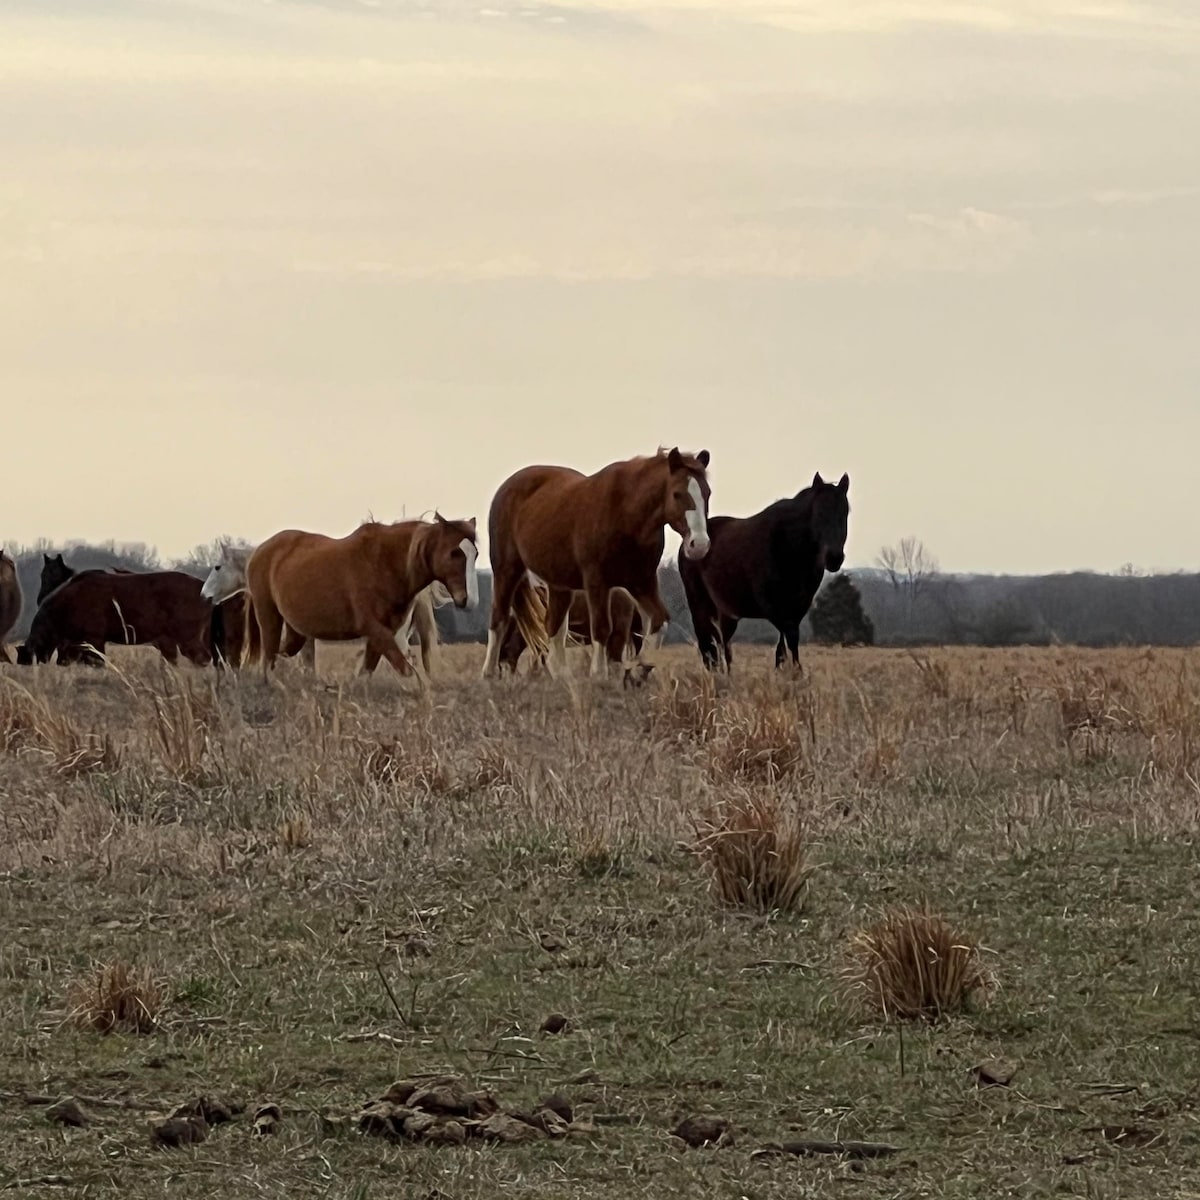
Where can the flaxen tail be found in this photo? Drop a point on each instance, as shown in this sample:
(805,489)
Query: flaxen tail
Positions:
(529,612)
(426,627)
(252,639)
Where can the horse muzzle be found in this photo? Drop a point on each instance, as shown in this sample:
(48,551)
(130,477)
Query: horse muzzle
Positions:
(696,547)
(834,560)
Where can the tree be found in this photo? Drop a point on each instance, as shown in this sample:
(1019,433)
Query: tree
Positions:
(909,565)
(910,568)
(837,615)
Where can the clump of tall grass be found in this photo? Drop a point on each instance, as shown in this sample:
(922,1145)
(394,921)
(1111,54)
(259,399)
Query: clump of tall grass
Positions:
(912,964)
(116,996)
(756,854)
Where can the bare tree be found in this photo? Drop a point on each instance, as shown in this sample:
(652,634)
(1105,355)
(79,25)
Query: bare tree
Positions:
(910,567)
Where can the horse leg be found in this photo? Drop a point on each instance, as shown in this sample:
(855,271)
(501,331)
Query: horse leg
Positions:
(654,617)
(558,626)
(792,635)
(779,652)
(621,639)
(727,626)
(270,630)
(704,616)
(370,661)
(506,578)
(294,643)
(381,641)
(600,621)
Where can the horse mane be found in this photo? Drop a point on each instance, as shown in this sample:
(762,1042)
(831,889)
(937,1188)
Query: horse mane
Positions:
(423,531)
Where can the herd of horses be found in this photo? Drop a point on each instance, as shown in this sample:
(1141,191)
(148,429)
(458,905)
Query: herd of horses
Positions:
(571,554)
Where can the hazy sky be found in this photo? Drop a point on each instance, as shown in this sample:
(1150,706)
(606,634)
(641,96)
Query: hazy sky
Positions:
(270,263)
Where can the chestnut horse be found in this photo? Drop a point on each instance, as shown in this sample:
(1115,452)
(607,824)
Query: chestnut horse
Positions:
(10,601)
(228,578)
(158,608)
(626,634)
(590,533)
(363,585)
(769,565)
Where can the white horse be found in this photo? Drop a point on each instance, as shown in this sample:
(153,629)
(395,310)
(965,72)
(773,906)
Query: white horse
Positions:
(228,577)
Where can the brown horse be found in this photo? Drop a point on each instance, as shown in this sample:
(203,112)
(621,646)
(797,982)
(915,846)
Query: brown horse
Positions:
(10,601)
(225,630)
(590,533)
(159,608)
(363,585)
(626,632)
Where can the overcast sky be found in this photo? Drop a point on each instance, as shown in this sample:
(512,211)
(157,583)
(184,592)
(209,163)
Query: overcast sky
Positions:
(281,263)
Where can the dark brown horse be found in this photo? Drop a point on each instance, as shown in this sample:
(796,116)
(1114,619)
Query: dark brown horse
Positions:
(768,566)
(159,608)
(626,629)
(590,533)
(363,585)
(10,601)
(225,632)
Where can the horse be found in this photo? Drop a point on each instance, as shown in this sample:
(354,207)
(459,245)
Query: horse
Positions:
(10,601)
(225,629)
(160,608)
(769,566)
(228,578)
(590,533)
(626,634)
(363,585)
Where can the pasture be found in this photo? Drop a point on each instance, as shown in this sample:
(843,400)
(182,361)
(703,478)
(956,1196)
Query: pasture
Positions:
(333,884)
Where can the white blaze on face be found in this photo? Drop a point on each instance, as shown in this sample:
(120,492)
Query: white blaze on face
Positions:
(697,522)
(471,553)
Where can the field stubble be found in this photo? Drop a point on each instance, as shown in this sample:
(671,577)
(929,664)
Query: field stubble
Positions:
(297,894)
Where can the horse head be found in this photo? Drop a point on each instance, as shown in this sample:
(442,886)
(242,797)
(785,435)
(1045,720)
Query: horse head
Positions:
(452,557)
(228,577)
(686,507)
(828,519)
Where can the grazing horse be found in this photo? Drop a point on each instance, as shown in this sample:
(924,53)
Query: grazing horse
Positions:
(769,565)
(626,633)
(225,629)
(590,533)
(159,608)
(363,585)
(10,601)
(228,578)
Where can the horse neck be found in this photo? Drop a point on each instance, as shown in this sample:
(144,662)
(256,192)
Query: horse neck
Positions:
(644,496)
(414,560)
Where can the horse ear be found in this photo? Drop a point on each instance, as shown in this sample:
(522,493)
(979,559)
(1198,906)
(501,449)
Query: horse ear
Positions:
(702,458)
(817,480)
(675,459)
(437,516)
(844,483)
(471,523)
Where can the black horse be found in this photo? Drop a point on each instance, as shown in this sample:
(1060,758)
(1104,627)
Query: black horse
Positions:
(769,566)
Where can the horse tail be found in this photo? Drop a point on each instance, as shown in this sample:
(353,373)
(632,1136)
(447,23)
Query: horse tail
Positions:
(529,612)
(426,627)
(251,639)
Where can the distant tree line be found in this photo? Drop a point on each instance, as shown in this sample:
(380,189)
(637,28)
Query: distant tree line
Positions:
(905,600)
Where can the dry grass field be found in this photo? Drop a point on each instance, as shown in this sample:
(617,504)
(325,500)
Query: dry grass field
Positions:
(295,895)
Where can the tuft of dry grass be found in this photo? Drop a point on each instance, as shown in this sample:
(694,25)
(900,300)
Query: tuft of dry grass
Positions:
(686,710)
(116,996)
(756,854)
(28,723)
(759,740)
(913,964)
